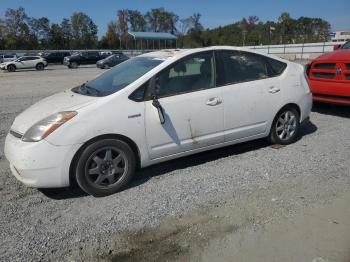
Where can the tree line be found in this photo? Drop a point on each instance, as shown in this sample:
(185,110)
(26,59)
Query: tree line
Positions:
(20,31)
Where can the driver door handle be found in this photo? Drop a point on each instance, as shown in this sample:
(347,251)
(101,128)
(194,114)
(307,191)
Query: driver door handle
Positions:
(213,101)
(274,90)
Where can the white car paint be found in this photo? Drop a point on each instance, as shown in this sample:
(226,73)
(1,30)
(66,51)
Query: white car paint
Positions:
(24,62)
(194,122)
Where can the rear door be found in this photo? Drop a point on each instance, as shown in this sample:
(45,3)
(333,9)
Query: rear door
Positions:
(251,97)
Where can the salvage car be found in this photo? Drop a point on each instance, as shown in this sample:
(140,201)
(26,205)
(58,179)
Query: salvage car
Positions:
(329,76)
(111,61)
(156,107)
(24,62)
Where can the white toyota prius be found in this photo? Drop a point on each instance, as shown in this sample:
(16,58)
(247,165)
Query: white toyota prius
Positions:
(153,108)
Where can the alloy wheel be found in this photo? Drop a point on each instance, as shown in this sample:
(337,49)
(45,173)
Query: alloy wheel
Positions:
(286,125)
(106,167)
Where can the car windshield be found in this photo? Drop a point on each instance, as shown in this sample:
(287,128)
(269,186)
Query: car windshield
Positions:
(119,77)
(346,45)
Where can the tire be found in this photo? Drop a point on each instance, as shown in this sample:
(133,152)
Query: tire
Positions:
(106,66)
(285,127)
(11,68)
(40,67)
(105,167)
(73,65)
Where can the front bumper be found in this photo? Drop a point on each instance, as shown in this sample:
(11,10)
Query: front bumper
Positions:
(39,164)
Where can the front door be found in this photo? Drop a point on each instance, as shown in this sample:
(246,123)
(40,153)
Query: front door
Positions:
(192,106)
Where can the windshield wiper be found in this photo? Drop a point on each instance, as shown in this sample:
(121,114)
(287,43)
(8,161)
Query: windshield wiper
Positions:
(88,90)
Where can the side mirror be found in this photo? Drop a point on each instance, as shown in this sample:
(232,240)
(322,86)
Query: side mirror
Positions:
(336,47)
(155,101)
(159,107)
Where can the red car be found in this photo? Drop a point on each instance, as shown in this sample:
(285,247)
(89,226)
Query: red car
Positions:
(329,76)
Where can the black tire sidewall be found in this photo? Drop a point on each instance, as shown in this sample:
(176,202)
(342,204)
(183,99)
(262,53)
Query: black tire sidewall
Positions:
(84,156)
(11,68)
(40,66)
(273,137)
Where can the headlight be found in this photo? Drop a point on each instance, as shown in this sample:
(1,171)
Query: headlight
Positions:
(46,126)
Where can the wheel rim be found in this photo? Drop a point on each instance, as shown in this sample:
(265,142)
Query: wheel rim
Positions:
(106,167)
(286,125)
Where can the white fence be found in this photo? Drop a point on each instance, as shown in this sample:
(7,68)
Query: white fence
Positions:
(289,51)
(298,51)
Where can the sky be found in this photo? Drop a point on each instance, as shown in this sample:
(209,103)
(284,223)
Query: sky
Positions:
(214,12)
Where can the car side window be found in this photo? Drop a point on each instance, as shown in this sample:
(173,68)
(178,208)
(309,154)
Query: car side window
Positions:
(193,73)
(139,94)
(236,67)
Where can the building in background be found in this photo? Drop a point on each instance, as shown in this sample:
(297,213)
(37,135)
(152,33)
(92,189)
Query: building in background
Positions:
(340,36)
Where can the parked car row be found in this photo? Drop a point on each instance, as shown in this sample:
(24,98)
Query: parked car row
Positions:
(102,60)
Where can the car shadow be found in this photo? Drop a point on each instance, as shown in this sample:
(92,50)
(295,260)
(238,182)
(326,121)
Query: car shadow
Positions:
(144,175)
(332,109)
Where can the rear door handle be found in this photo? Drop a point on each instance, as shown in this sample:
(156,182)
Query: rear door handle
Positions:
(213,101)
(274,90)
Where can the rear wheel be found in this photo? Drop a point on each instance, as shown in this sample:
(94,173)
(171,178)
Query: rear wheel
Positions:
(105,167)
(285,127)
(11,68)
(40,66)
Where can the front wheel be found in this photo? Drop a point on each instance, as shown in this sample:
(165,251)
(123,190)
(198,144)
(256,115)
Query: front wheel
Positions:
(105,167)
(73,65)
(11,68)
(285,127)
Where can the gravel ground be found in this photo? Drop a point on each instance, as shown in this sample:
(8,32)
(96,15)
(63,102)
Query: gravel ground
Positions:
(66,224)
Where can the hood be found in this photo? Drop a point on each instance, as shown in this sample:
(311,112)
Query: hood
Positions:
(7,63)
(338,55)
(64,101)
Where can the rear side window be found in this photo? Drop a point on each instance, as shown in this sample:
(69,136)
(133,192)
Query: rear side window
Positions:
(236,67)
(275,67)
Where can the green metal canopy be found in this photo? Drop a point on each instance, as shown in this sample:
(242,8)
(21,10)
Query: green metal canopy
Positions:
(152,36)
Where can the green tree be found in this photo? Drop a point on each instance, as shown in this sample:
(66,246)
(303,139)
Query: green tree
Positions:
(136,20)
(84,31)
(16,28)
(67,34)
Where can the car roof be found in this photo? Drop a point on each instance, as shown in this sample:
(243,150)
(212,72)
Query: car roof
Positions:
(177,53)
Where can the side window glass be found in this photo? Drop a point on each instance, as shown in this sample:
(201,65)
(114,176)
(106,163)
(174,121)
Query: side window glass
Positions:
(237,67)
(139,94)
(275,67)
(190,74)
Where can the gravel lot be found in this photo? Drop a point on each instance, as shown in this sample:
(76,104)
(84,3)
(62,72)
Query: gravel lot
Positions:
(252,183)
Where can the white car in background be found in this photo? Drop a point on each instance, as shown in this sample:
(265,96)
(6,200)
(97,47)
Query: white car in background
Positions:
(156,107)
(24,62)
(7,58)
